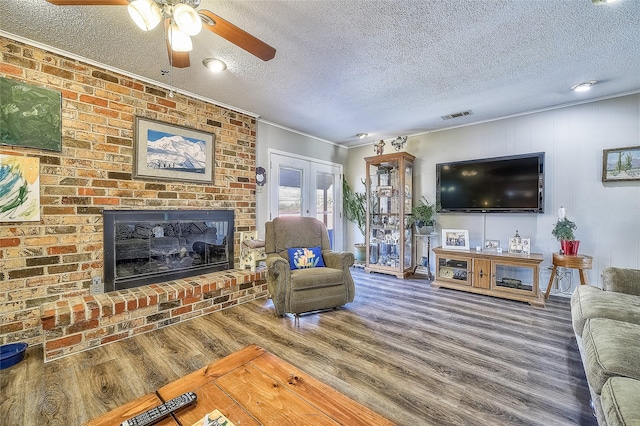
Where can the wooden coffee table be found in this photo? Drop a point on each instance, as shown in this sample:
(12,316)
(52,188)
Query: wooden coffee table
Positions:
(255,387)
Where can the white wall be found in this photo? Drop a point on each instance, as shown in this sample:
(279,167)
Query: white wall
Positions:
(270,136)
(573,138)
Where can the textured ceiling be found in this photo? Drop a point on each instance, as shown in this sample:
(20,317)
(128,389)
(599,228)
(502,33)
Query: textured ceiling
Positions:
(387,68)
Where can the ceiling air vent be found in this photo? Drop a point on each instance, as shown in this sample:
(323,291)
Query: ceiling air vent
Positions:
(456,115)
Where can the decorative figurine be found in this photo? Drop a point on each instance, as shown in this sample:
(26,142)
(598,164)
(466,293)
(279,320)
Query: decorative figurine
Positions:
(398,143)
(379,147)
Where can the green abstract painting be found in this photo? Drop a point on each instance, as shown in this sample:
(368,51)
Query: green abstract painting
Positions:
(19,188)
(30,116)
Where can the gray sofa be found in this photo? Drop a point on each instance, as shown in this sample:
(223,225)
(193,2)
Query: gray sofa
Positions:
(305,290)
(607,326)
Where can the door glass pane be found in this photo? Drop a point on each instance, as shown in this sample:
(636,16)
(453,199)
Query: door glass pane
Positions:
(325,202)
(408,202)
(289,192)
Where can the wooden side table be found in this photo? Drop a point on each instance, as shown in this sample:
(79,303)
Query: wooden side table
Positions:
(579,262)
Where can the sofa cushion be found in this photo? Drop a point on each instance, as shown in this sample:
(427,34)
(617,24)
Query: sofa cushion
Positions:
(620,400)
(621,280)
(611,348)
(308,278)
(591,302)
(286,232)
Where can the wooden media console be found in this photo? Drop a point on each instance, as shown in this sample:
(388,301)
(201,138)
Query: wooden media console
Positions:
(505,275)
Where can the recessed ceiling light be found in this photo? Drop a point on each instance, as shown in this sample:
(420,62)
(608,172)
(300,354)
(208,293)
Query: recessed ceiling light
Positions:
(215,65)
(600,2)
(584,86)
(362,135)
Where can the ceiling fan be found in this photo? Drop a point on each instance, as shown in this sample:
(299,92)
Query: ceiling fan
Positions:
(181,21)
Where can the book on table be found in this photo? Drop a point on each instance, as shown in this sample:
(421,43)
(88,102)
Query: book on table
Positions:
(214,418)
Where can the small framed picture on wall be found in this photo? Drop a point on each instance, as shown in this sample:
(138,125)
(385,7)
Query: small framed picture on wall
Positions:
(621,164)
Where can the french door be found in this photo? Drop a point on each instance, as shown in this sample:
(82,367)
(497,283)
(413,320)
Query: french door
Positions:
(304,187)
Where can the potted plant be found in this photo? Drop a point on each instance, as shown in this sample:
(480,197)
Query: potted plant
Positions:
(354,204)
(563,231)
(422,216)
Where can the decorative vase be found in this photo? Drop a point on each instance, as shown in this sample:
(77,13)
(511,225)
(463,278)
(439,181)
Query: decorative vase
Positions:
(360,252)
(569,247)
(373,253)
(423,229)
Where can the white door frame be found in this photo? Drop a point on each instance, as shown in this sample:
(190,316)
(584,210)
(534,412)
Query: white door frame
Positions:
(310,166)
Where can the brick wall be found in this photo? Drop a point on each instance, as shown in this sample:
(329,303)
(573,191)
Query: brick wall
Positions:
(55,259)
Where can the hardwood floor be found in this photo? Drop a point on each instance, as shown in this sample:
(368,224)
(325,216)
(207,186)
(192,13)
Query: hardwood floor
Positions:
(416,354)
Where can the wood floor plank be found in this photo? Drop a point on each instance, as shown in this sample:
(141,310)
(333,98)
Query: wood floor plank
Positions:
(416,354)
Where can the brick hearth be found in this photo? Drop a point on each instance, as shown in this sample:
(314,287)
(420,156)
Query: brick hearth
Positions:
(79,323)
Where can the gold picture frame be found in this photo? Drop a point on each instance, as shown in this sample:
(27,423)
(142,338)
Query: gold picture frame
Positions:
(621,164)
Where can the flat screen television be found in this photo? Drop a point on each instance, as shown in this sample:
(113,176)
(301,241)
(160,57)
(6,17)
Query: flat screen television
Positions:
(513,184)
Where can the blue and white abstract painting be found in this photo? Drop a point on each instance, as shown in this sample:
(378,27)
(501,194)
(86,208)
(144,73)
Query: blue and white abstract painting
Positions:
(19,188)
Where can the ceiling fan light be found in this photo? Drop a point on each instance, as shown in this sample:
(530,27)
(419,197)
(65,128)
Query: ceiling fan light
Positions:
(179,41)
(145,13)
(187,19)
(214,65)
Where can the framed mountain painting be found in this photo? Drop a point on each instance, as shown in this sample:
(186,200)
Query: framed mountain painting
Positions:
(171,152)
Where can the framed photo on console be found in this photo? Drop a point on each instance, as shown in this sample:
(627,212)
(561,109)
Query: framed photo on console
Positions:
(455,239)
(519,245)
(164,151)
(491,245)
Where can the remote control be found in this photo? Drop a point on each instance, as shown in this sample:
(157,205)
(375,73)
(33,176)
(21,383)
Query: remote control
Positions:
(158,413)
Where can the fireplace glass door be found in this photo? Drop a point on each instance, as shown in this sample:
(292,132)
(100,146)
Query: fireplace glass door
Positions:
(143,247)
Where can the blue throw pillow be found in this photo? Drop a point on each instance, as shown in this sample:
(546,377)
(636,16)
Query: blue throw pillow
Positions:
(300,258)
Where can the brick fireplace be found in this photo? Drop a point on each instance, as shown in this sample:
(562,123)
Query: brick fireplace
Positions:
(149,246)
(46,267)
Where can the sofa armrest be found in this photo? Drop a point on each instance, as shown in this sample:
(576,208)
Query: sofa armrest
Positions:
(342,260)
(621,280)
(278,278)
(338,260)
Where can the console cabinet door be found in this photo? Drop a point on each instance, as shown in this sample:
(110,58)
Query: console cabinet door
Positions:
(515,278)
(482,273)
(454,269)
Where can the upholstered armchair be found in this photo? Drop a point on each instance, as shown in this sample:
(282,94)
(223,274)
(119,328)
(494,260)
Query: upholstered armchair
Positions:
(305,289)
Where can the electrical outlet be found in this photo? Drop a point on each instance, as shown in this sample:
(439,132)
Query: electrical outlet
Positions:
(96,285)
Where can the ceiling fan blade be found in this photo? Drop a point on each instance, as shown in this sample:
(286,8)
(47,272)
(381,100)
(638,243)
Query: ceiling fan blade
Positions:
(179,59)
(176,59)
(237,36)
(89,2)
